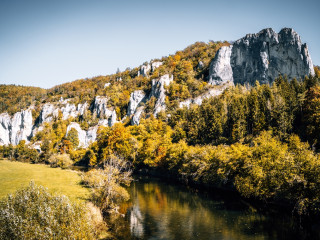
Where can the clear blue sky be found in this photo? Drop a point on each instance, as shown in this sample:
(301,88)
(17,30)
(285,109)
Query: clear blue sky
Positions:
(48,42)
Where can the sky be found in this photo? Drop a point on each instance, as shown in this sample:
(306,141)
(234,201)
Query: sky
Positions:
(44,43)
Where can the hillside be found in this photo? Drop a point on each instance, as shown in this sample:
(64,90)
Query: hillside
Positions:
(242,117)
(14,98)
(183,64)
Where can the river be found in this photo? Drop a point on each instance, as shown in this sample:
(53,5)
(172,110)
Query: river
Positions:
(162,210)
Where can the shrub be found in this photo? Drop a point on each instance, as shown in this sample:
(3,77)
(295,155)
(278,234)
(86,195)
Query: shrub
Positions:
(60,160)
(33,213)
(107,191)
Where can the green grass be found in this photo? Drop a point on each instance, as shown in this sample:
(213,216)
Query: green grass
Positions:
(16,175)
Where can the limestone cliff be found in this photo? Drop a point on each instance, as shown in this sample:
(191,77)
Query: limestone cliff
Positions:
(89,136)
(262,56)
(101,110)
(136,98)
(16,128)
(158,91)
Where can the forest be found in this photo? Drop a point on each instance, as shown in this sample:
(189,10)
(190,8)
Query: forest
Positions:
(260,141)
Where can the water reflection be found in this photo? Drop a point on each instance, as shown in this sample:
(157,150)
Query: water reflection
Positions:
(159,210)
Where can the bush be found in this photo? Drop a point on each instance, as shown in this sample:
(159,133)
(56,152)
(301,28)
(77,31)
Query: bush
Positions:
(107,192)
(33,213)
(60,160)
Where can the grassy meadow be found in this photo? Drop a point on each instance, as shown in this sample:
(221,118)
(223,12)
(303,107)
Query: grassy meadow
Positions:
(16,175)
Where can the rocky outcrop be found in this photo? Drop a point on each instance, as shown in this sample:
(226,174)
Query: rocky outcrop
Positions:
(5,125)
(82,134)
(135,120)
(220,70)
(112,119)
(48,112)
(89,136)
(69,110)
(144,69)
(100,108)
(81,108)
(155,65)
(136,98)
(158,91)
(17,128)
(212,92)
(200,65)
(262,56)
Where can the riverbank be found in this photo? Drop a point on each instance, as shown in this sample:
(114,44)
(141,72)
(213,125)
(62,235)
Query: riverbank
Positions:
(16,175)
(272,208)
(160,209)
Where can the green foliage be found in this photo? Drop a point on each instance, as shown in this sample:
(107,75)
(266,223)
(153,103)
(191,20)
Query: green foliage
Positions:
(14,98)
(311,112)
(60,160)
(73,137)
(107,192)
(242,112)
(33,213)
(114,141)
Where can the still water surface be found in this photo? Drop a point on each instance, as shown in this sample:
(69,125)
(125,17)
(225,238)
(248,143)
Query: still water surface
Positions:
(162,210)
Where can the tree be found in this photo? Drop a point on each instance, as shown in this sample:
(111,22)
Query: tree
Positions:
(73,138)
(105,183)
(312,115)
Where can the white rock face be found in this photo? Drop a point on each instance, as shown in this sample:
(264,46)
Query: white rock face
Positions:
(155,65)
(220,70)
(81,108)
(51,110)
(82,134)
(15,129)
(135,120)
(158,91)
(100,107)
(210,93)
(87,137)
(103,122)
(136,98)
(69,110)
(262,56)
(113,118)
(144,69)
(200,65)
(48,111)
(5,125)
(91,135)
(107,85)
